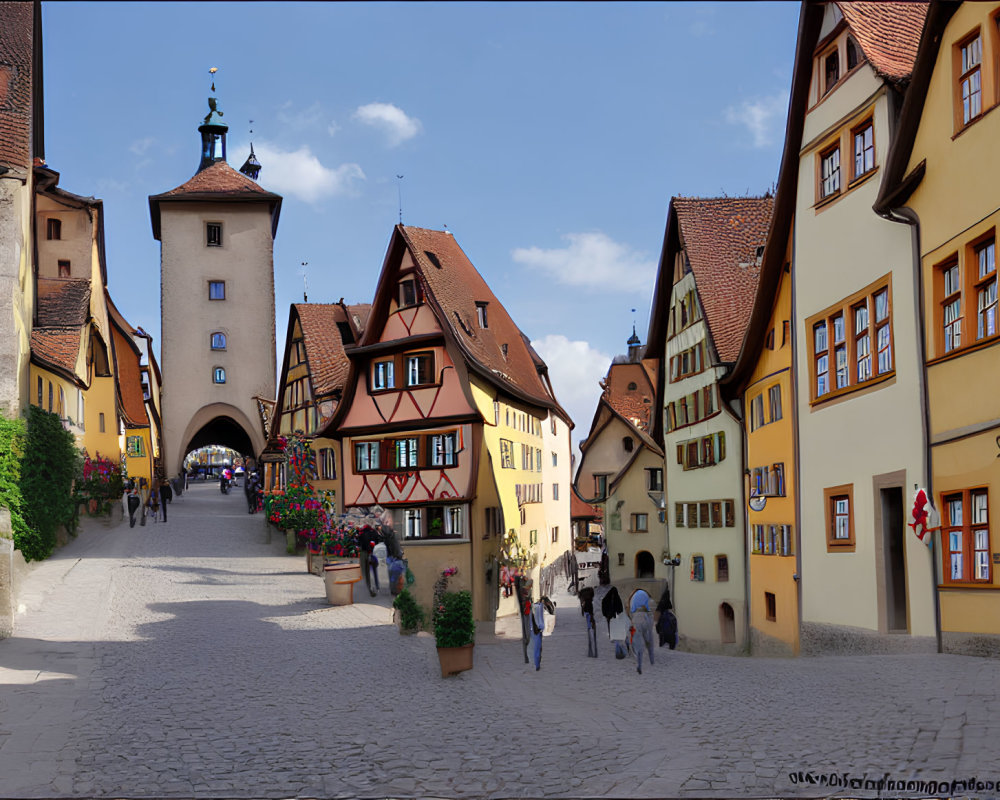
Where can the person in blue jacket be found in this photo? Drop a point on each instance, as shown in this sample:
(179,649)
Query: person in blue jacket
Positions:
(643,624)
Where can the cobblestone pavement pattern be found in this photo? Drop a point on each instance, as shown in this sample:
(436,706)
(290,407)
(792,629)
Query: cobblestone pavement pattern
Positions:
(197,659)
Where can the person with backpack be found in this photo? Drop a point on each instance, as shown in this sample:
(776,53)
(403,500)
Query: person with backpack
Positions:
(642,623)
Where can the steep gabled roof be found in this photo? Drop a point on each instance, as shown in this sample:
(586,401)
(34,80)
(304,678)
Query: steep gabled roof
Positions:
(56,348)
(63,302)
(888,33)
(128,370)
(455,287)
(16,23)
(323,335)
(896,186)
(218,182)
(721,236)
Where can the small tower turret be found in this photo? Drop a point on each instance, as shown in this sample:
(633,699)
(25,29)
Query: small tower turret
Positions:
(251,167)
(634,347)
(213,131)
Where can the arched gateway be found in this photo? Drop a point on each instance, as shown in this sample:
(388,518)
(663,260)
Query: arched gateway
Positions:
(216,235)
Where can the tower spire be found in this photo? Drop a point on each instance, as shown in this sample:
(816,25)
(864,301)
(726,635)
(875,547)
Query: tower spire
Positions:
(213,131)
(251,167)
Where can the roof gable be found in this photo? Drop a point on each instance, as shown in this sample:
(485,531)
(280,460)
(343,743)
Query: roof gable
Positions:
(500,352)
(323,330)
(721,237)
(888,33)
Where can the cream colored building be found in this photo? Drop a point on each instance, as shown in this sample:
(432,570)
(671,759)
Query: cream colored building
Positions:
(217,305)
(704,291)
(866,582)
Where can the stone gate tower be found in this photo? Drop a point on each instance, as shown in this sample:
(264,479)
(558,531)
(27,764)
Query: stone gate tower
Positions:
(216,235)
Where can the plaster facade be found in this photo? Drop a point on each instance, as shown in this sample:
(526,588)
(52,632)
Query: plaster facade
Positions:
(958,213)
(861,427)
(189,317)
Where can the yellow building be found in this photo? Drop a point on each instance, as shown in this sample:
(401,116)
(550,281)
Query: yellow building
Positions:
(762,380)
(942,178)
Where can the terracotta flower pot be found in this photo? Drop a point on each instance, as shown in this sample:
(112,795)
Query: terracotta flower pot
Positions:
(455,659)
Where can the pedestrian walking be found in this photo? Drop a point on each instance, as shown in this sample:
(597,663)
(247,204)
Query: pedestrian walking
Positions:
(166,495)
(586,597)
(143,499)
(184,477)
(536,627)
(642,623)
(665,621)
(153,503)
(133,502)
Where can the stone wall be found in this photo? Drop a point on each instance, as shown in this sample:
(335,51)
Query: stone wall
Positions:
(13,568)
(820,639)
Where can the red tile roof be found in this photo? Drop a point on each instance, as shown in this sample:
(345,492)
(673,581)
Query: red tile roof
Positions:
(635,405)
(128,375)
(328,364)
(721,236)
(219,179)
(63,302)
(56,347)
(16,25)
(456,286)
(888,33)
(217,182)
(580,508)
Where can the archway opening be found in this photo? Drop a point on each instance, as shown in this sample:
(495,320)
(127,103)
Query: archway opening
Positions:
(645,565)
(220,442)
(727,623)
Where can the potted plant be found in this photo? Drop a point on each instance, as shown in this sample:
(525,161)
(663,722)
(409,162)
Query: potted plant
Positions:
(454,631)
(408,613)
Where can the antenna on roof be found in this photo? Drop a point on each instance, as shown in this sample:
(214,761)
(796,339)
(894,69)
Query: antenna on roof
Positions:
(399,193)
(305,283)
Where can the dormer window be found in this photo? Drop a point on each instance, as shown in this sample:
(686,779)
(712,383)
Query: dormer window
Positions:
(853,56)
(831,71)
(53,228)
(632,386)
(64,269)
(481,314)
(408,293)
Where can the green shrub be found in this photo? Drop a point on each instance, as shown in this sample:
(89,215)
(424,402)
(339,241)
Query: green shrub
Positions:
(51,462)
(12,443)
(411,615)
(453,622)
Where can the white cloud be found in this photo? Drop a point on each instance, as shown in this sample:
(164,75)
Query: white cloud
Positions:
(300,173)
(393,121)
(592,260)
(575,369)
(140,146)
(762,116)
(332,128)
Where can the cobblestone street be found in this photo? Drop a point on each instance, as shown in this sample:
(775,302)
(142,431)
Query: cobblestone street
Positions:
(196,659)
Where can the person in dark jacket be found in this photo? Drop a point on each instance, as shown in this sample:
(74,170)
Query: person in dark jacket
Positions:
(666,622)
(166,495)
(134,501)
(586,597)
(611,605)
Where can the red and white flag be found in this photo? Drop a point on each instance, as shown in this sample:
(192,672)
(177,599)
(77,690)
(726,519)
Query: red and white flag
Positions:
(925,517)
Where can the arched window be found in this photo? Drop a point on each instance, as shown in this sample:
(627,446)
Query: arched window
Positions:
(218,341)
(632,386)
(628,443)
(219,375)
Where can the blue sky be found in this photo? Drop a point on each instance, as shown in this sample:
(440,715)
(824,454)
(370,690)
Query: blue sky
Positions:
(548,137)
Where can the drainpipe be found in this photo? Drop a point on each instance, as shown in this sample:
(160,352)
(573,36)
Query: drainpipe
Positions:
(908,216)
